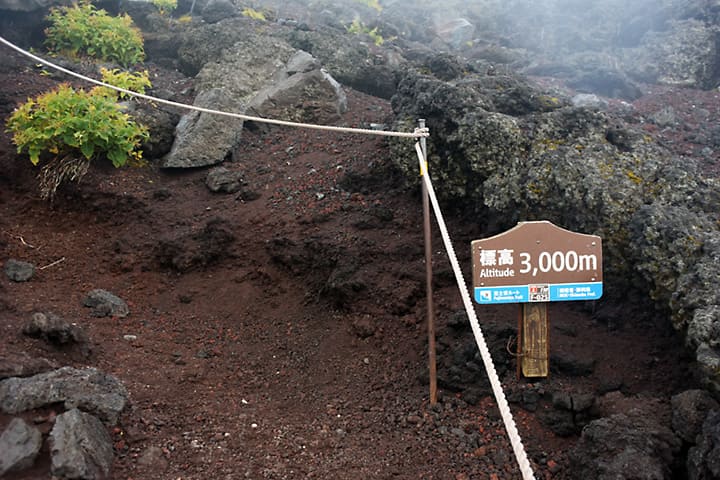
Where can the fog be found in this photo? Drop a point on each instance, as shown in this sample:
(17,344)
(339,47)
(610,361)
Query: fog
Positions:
(553,25)
(599,44)
(543,26)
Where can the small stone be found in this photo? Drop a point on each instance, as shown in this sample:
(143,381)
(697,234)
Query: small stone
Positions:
(414,419)
(106,304)
(56,331)
(364,326)
(19,271)
(222,180)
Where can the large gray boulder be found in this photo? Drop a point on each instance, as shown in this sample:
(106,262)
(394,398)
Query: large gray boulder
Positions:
(521,154)
(203,139)
(233,64)
(20,444)
(80,447)
(255,75)
(704,459)
(202,44)
(689,410)
(684,55)
(675,245)
(301,92)
(363,66)
(216,10)
(455,31)
(518,153)
(625,447)
(88,389)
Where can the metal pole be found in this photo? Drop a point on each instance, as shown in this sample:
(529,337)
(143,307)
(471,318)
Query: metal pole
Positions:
(432,362)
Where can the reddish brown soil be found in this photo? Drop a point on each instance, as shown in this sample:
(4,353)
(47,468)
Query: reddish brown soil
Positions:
(244,366)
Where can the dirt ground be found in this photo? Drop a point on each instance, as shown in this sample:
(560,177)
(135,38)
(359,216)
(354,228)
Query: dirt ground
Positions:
(246,354)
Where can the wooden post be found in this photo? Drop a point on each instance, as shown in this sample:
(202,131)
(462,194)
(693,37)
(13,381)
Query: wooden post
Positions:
(432,362)
(533,345)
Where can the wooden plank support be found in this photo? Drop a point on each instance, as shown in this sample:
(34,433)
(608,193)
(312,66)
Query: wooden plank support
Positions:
(533,344)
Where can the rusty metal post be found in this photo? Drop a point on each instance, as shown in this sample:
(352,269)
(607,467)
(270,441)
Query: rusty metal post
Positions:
(432,361)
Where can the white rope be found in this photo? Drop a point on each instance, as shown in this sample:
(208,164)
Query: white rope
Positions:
(416,134)
(505,413)
(515,440)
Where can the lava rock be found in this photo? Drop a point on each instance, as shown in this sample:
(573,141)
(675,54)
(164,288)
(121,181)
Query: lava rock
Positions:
(80,447)
(222,180)
(19,271)
(87,389)
(217,10)
(703,461)
(561,422)
(57,331)
(689,411)
(201,138)
(23,365)
(20,444)
(106,304)
(194,250)
(633,446)
(571,366)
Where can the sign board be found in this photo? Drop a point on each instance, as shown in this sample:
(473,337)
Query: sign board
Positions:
(537,262)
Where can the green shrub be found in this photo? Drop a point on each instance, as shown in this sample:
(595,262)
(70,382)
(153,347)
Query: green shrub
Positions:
(359,28)
(81,29)
(136,82)
(72,127)
(165,6)
(254,14)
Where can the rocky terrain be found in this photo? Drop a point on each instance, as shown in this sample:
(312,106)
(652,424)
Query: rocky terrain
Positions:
(252,303)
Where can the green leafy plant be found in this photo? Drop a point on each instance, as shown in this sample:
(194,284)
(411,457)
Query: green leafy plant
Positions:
(136,82)
(70,128)
(254,14)
(165,6)
(359,28)
(81,29)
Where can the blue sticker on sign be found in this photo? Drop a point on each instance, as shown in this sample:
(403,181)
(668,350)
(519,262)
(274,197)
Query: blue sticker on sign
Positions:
(562,292)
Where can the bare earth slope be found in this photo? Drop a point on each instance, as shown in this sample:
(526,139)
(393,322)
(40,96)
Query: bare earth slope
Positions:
(279,333)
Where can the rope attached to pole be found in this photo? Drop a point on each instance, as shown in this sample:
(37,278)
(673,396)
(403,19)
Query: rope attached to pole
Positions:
(363,131)
(418,133)
(510,427)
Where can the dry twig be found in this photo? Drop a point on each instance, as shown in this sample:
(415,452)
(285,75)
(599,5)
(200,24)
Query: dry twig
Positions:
(52,264)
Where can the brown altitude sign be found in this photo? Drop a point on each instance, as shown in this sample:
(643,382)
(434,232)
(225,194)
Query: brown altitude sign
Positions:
(533,263)
(537,253)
